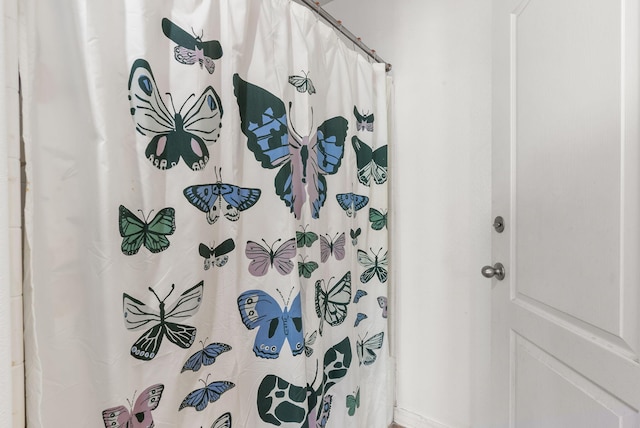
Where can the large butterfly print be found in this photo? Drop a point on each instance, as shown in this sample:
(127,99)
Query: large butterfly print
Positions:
(177,135)
(140,415)
(371,164)
(373,266)
(221,199)
(190,49)
(136,232)
(303,160)
(262,259)
(258,309)
(366,348)
(217,255)
(331,304)
(329,246)
(165,322)
(201,397)
(364,121)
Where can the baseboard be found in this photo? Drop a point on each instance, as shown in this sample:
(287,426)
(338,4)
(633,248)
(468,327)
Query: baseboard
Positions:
(409,419)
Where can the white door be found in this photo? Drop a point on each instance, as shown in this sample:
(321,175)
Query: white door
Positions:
(566,173)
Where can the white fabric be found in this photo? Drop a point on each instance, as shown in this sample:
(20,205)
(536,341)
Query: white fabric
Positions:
(86,159)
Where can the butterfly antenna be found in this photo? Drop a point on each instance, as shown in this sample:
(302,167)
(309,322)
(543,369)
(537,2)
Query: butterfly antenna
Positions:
(291,122)
(155,294)
(205,381)
(185,101)
(311,128)
(172,105)
(145,218)
(205,339)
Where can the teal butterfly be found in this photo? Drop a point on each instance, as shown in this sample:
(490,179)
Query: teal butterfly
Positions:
(374,266)
(136,232)
(306,268)
(304,238)
(353,402)
(378,220)
(332,302)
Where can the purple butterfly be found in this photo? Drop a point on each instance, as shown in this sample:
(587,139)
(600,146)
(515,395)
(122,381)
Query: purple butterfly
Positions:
(382,301)
(262,259)
(190,49)
(140,415)
(329,246)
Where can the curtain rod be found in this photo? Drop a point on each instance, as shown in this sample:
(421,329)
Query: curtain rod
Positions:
(337,24)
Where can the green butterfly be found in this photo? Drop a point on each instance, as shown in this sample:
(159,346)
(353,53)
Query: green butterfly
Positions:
(353,402)
(136,232)
(306,269)
(305,238)
(377,219)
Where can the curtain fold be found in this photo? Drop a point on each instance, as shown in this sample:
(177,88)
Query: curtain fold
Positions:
(207,217)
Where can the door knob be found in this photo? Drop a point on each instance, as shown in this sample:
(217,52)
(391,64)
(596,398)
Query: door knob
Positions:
(497,270)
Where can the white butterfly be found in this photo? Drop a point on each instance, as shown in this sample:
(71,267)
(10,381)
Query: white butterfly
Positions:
(366,348)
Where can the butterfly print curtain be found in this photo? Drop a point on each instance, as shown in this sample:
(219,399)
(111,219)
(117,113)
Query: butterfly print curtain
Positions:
(206,217)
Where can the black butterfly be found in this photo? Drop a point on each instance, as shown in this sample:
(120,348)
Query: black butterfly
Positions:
(365,121)
(217,255)
(162,323)
(192,49)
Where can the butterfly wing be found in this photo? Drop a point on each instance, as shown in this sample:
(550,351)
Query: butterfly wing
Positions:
(223,421)
(345,200)
(132,231)
(237,199)
(338,247)
(203,119)
(200,398)
(305,239)
(203,197)
(147,401)
(359,318)
(338,298)
(283,255)
(137,315)
(354,235)
(116,417)
(306,269)
(325,249)
(206,252)
(260,258)
(164,223)
(308,342)
(206,356)
(377,219)
(178,35)
(359,294)
(367,349)
(212,49)
(221,251)
(369,264)
(186,306)
(364,159)
(279,402)
(258,309)
(382,302)
(299,82)
(379,166)
(381,268)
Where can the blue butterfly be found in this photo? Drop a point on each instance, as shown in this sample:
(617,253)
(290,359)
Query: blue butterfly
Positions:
(303,160)
(208,199)
(359,317)
(351,202)
(200,398)
(258,309)
(206,356)
(359,295)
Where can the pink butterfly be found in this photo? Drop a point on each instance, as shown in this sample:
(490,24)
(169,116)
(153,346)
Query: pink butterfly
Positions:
(262,259)
(328,247)
(140,414)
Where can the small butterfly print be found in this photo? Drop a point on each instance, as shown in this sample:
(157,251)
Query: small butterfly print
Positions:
(137,316)
(306,268)
(223,421)
(382,302)
(359,318)
(373,266)
(329,246)
(351,202)
(191,49)
(353,402)
(354,236)
(302,161)
(153,235)
(200,398)
(331,304)
(262,259)
(304,238)
(218,255)
(258,309)
(378,219)
(221,199)
(371,164)
(139,415)
(359,294)
(177,135)
(364,121)
(206,356)
(302,83)
(366,348)
(308,342)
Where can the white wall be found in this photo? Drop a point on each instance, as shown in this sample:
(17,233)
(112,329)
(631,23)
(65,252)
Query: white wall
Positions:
(441,225)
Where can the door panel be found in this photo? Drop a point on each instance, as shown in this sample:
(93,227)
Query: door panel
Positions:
(565,178)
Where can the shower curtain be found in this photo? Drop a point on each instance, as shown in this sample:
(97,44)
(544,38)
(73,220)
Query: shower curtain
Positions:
(206,214)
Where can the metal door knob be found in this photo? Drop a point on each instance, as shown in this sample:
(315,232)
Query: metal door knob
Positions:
(497,270)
